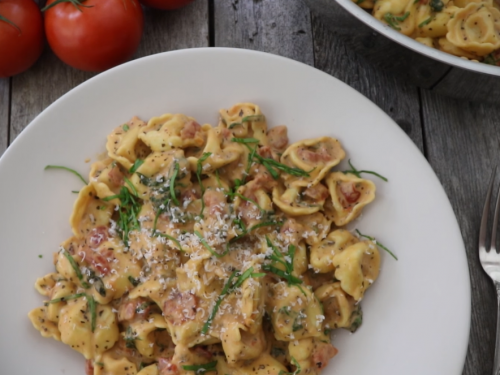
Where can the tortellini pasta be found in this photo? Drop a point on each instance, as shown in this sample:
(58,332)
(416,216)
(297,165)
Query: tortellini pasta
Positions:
(349,195)
(464,28)
(200,249)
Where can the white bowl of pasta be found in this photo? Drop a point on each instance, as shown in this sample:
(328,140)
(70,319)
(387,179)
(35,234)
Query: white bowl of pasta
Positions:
(204,240)
(422,44)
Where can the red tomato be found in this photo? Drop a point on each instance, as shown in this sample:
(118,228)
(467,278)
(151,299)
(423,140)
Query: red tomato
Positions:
(23,44)
(96,35)
(166,4)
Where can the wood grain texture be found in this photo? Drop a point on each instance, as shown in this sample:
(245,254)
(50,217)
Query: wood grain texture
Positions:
(40,86)
(470,86)
(4,113)
(378,49)
(462,146)
(282,27)
(398,98)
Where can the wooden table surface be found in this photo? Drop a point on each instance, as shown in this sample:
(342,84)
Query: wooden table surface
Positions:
(459,139)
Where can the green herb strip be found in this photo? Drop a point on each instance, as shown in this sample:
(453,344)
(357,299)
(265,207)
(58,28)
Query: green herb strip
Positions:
(128,212)
(131,186)
(357,173)
(297,371)
(425,22)
(225,290)
(268,163)
(129,338)
(292,280)
(245,140)
(66,298)
(126,128)
(67,169)
(228,288)
(172,183)
(278,257)
(393,21)
(93,313)
(248,200)
(436,5)
(133,281)
(135,167)
(208,247)
(377,243)
(92,304)
(265,224)
(171,239)
(76,268)
(282,167)
(247,119)
(218,178)
(201,369)
(199,171)
(97,282)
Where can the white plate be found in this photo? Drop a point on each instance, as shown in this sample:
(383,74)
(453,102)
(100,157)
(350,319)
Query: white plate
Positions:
(416,315)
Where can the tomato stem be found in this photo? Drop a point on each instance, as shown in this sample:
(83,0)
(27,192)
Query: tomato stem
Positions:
(5,19)
(76,4)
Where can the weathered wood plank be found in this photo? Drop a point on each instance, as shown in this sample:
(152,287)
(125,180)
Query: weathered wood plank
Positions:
(398,98)
(37,88)
(378,49)
(4,112)
(462,144)
(282,27)
(469,85)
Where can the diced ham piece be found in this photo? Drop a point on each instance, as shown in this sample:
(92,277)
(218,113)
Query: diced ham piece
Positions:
(310,156)
(265,152)
(292,230)
(190,129)
(94,254)
(89,367)
(127,311)
(180,308)
(202,352)
(215,201)
(166,367)
(98,235)
(116,176)
(261,181)
(278,137)
(322,354)
(349,192)
(318,192)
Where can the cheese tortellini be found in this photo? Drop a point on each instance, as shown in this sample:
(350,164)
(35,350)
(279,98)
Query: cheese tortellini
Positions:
(464,28)
(200,249)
